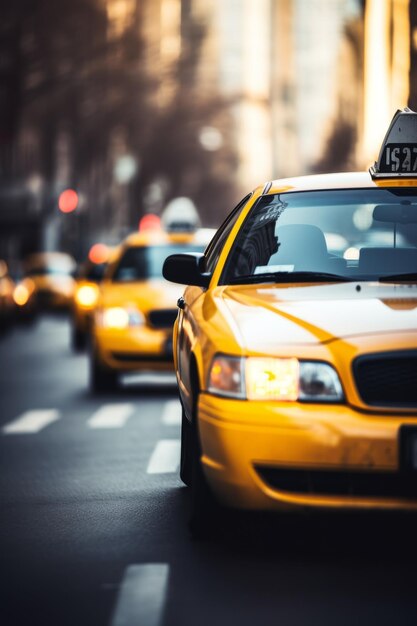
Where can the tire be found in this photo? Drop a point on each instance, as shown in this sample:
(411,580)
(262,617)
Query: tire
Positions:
(101,379)
(78,339)
(186,462)
(205,512)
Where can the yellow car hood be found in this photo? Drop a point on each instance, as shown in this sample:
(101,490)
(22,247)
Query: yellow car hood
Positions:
(261,316)
(145,295)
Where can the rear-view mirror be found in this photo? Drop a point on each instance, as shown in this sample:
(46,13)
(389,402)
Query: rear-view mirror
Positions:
(396,213)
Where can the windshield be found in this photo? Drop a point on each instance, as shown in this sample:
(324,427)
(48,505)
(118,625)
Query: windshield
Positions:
(49,271)
(94,272)
(141,263)
(359,234)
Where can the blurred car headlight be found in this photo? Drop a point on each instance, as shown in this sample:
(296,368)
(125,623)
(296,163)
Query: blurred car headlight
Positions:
(120,317)
(86,296)
(270,378)
(21,294)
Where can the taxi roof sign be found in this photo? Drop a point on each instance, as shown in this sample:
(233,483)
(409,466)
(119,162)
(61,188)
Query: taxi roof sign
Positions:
(398,154)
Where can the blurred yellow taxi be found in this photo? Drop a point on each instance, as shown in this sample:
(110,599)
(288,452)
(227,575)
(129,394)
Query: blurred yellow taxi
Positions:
(136,309)
(51,274)
(86,293)
(296,360)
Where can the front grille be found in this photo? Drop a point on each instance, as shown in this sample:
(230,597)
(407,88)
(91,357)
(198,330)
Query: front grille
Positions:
(162,318)
(340,483)
(133,357)
(387,378)
(44,298)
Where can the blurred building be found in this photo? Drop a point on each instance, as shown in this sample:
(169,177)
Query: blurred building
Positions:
(268,57)
(386,69)
(135,102)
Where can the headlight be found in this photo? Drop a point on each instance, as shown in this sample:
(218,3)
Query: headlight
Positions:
(21,294)
(121,317)
(319,382)
(86,296)
(226,376)
(270,378)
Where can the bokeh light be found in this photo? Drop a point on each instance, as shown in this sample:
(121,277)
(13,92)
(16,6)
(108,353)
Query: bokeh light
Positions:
(150,221)
(68,201)
(99,253)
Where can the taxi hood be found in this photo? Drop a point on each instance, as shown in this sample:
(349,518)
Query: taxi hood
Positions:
(146,295)
(262,315)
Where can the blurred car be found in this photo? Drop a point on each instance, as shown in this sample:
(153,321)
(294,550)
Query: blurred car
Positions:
(297,367)
(52,276)
(136,309)
(86,294)
(7,305)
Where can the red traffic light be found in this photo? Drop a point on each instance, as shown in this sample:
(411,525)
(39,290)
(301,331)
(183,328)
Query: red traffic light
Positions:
(68,201)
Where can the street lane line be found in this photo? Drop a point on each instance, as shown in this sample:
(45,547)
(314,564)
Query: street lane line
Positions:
(111,415)
(171,415)
(141,599)
(31,422)
(165,458)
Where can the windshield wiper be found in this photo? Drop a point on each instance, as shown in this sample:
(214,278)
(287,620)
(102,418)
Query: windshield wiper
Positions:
(398,277)
(290,277)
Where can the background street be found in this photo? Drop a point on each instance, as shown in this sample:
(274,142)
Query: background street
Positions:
(93,523)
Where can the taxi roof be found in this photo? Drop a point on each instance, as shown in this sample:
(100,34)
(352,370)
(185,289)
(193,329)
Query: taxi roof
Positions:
(201,236)
(53,259)
(342,180)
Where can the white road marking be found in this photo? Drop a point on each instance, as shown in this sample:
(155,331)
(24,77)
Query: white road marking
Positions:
(145,378)
(31,422)
(172,413)
(111,415)
(141,599)
(165,458)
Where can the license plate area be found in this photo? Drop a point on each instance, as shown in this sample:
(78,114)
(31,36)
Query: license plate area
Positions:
(169,347)
(408,450)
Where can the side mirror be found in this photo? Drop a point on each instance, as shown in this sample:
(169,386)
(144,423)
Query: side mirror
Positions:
(185,269)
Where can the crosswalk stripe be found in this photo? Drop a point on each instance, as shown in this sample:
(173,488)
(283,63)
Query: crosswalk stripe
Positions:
(142,595)
(111,415)
(165,458)
(171,415)
(31,422)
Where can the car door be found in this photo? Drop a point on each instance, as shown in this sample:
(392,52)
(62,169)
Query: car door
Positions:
(188,332)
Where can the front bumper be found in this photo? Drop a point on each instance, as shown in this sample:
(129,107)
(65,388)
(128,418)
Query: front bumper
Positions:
(133,349)
(53,299)
(266,456)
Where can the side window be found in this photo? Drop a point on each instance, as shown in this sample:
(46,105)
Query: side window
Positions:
(216,244)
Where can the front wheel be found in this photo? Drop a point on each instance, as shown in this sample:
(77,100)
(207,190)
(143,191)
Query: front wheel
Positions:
(186,462)
(205,511)
(101,379)
(78,339)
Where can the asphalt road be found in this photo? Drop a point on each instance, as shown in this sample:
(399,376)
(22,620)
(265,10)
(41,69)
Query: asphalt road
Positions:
(93,518)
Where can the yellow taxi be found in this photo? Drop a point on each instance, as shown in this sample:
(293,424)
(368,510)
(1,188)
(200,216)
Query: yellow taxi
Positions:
(51,275)
(296,358)
(136,309)
(86,293)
